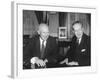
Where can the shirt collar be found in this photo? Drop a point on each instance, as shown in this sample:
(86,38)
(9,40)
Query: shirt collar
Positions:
(41,40)
(79,40)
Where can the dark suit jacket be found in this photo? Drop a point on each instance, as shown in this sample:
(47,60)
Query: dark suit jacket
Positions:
(81,52)
(33,50)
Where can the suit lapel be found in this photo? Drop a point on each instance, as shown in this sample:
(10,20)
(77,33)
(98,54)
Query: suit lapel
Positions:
(80,46)
(82,42)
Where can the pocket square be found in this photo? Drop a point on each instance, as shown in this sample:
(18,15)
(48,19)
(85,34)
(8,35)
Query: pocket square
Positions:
(83,50)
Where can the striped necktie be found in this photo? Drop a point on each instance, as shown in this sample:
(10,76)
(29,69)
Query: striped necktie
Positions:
(42,49)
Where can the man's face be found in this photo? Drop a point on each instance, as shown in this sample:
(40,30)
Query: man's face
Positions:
(44,33)
(78,30)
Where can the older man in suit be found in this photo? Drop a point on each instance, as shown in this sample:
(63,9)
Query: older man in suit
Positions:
(79,52)
(42,49)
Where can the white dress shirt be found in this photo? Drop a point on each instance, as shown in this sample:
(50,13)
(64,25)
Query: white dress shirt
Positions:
(41,40)
(79,40)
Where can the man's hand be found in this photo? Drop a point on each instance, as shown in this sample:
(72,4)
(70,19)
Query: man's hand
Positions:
(73,63)
(33,60)
(64,61)
(45,61)
(40,63)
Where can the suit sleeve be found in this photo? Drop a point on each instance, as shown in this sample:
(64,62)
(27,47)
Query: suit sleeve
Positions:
(52,57)
(71,51)
(88,52)
(27,54)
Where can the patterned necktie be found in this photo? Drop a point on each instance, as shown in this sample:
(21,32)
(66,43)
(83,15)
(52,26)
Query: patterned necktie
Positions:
(42,49)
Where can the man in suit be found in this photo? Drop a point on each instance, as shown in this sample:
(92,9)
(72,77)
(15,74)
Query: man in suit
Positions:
(41,50)
(79,52)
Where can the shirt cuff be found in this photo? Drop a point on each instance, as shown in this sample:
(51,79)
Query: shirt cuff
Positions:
(33,60)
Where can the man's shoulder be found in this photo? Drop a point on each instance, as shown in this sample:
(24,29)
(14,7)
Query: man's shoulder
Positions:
(33,39)
(52,38)
(74,38)
(86,37)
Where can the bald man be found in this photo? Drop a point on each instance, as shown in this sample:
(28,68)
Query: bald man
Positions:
(42,50)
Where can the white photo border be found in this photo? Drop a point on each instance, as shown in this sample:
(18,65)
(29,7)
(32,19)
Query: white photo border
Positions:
(17,41)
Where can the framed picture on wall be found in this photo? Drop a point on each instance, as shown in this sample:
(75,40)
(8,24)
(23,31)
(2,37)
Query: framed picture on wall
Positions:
(26,18)
(62,32)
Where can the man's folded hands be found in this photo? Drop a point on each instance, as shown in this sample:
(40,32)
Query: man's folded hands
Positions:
(39,62)
(73,63)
